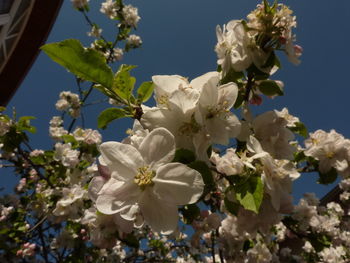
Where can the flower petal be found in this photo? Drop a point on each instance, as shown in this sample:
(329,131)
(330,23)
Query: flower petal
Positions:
(178,184)
(159,215)
(158,148)
(116,196)
(122,159)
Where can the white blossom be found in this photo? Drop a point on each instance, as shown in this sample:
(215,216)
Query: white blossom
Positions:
(143,181)
(130,15)
(110,8)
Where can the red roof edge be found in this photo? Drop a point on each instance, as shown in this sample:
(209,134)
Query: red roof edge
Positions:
(37,29)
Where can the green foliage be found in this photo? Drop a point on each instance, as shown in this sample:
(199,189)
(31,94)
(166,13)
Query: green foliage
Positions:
(319,241)
(205,171)
(184,156)
(144,92)
(85,63)
(190,213)
(110,114)
(24,124)
(300,129)
(231,207)
(329,177)
(250,193)
(231,76)
(123,82)
(270,88)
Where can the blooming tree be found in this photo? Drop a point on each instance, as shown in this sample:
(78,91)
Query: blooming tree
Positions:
(199,178)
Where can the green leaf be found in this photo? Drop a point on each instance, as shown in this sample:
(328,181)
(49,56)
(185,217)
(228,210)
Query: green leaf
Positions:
(205,171)
(329,177)
(299,156)
(231,76)
(190,213)
(145,91)
(85,63)
(257,73)
(109,115)
(300,129)
(24,124)
(270,88)
(250,194)
(184,156)
(232,207)
(123,83)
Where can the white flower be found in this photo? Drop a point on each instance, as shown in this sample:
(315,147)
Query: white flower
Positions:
(214,107)
(331,149)
(232,47)
(88,136)
(229,163)
(130,14)
(117,54)
(277,176)
(65,154)
(134,40)
(64,206)
(144,180)
(95,32)
(272,132)
(110,8)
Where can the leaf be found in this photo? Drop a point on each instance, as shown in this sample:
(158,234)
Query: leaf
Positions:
(329,177)
(145,91)
(300,129)
(184,156)
(250,194)
(24,124)
(231,76)
(85,63)
(270,88)
(232,207)
(205,171)
(123,83)
(190,213)
(110,115)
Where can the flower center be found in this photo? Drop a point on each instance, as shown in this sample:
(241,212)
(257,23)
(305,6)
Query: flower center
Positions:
(144,177)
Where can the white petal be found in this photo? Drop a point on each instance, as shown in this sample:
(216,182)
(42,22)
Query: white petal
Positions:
(209,96)
(167,84)
(158,148)
(116,196)
(201,81)
(121,159)
(156,117)
(159,215)
(228,94)
(95,186)
(185,100)
(178,184)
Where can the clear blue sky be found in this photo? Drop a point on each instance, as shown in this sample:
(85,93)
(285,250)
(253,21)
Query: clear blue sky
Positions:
(179,37)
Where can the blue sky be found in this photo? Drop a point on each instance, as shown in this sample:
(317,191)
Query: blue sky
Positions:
(179,38)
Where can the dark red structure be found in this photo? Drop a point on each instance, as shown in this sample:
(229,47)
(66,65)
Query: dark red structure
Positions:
(24,50)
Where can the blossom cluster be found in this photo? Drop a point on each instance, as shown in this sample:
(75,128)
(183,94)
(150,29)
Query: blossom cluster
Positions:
(199,178)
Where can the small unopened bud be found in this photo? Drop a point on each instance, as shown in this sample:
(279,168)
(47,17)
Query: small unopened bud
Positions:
(298,50)
(256,100)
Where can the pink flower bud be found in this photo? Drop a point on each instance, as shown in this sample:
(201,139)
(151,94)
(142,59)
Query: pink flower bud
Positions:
(19,252)
(256,100)
(298,50)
